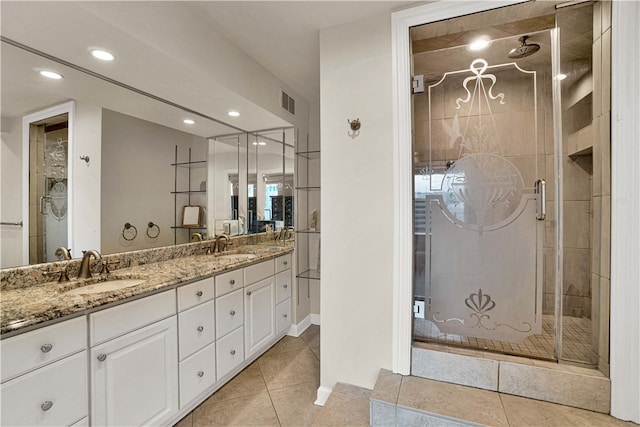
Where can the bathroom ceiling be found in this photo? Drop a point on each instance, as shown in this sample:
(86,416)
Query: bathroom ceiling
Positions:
(152,43)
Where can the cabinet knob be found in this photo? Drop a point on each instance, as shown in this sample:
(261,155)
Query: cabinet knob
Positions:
(46,405)
(249,293)
(200,328)
(201,374)
(285,286)
(233,312)
(286,262)
(232,281)
(233,352)
(285,315)
(46,348)
(199,293)
(102,357)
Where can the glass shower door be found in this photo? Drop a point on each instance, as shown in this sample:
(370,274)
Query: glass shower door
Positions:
(479,187)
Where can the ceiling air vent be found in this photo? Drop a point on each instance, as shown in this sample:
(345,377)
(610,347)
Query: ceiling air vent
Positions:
(288,103)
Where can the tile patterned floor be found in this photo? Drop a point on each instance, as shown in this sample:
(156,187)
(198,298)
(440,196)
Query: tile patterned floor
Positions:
(279,389)
(576,341)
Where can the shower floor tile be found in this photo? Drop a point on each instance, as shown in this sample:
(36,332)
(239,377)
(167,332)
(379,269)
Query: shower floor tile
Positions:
(576,343)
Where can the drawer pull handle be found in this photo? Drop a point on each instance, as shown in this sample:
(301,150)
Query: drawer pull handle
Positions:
(201,374)
(46,405)
(200,328)
(199,293)
(232,281)
(286,262)
(285,286)
(233,312)
(233,352)
(102,357)
(46,348)
(249,293)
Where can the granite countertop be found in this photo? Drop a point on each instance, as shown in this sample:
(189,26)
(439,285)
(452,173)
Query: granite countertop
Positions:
(29,306)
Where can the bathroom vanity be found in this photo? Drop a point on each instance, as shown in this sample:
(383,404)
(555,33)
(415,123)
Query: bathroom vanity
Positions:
(146,354)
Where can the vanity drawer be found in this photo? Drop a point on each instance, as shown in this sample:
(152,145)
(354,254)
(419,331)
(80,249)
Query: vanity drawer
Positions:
(283,316)
(257,272)
(195,293)
(283,263)
(119,320)
(229,282)
(54,395)
(196,328)
(229,352)
(197,373)
(229,312)
(283,286)
(37,348)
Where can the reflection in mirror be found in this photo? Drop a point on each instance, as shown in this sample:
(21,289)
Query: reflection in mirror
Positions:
(122,143)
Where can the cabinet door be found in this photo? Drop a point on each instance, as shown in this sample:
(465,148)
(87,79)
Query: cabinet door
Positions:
(135,377)
(259,312)
(229,313)
(53,395)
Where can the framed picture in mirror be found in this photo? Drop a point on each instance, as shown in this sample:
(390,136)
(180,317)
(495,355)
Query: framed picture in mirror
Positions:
(191,216)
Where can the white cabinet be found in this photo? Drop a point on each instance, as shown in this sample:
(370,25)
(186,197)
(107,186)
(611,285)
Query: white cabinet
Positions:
(195,293)
(229,352)
(54,395)
(197,373)
(259,315)
(135,377)
(44,374)
(197,328)
(229,313)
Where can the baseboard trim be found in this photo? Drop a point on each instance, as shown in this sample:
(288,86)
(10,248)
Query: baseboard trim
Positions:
(298,329)
(322,395)
(315,319)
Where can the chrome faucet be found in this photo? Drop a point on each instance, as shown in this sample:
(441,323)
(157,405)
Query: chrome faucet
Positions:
(63,253)
(85,268)
(196,237)
(222,240)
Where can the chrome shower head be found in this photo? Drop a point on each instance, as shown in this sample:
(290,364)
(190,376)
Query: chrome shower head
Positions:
(524,49)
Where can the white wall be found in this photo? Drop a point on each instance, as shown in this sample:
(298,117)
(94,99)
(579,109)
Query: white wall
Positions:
(84,186)
(11,192)
(357,202)
(137,180)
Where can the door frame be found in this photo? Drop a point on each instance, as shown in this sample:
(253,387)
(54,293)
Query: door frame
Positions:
(625,196)
(68,108)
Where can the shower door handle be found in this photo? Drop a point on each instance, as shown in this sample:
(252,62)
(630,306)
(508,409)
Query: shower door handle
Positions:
(541,190)
(43,204)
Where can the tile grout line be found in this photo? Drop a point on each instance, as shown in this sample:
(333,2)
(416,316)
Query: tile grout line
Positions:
(504,410)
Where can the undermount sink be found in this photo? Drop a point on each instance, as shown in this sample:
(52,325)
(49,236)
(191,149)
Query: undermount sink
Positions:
(106,286)
(236,257)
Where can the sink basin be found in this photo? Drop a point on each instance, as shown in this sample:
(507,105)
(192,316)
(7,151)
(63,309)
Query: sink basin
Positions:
(109,285)
(237,257)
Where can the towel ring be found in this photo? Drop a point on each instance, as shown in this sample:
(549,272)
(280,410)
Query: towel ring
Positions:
(151,226)
(128,226)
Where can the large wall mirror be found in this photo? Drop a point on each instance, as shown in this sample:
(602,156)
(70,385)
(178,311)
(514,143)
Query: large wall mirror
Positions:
(111,168)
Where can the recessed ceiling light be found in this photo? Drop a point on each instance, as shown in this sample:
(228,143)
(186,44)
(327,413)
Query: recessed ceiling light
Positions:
(479,43)
(262,143)
(188,121)
(254,143)
(233,113)
(50,74)
(103,55)
(561,76)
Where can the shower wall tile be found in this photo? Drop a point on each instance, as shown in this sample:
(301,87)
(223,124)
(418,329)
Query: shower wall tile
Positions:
(605,238)
(605,298)
(577,177)
(595,311)
(595,234)
(548,303)
(577,272)
(606,69)
(527,167)
(549,277)
(605,144)
(597,76)
(550,177)
(590,390)
(455,368)
(576,306)
(597,20)
(597,159)
(576,224)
